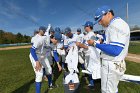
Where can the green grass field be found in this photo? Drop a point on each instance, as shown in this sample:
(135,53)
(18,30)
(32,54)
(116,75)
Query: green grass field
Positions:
(134,47)
(17,76)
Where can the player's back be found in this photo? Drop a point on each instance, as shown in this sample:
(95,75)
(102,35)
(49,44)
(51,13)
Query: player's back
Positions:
(124,37)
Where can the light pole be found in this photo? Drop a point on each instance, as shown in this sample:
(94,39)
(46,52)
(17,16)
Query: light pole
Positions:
(127,12)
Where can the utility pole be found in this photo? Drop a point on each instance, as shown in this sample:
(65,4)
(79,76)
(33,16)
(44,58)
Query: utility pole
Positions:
(127,12)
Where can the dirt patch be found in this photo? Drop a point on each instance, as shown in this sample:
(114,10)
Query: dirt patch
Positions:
(15,47)
(130,57)
(133,57)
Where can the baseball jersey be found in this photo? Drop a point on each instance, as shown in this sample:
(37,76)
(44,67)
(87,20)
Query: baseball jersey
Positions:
(32,39)
(80,37)
(46,45)
(37,46)
(70,41)
(38,42)
(61,43)
(87,37)
(117,33)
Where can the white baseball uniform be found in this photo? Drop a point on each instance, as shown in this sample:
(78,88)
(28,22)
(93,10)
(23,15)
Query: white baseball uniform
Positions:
(61,51)
(113,67)
(59,48)
(92,57)
(38,44)
(70,41)
(48,46)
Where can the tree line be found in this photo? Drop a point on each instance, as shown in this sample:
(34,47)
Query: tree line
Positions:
(136,27)
(10,38)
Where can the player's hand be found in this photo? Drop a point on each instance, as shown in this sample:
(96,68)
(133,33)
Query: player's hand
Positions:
(91,42)
(77,43)
(38,66)
(59,67)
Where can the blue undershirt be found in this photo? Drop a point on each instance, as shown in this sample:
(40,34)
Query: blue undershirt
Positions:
(56,57)
(33,53)
(109,49)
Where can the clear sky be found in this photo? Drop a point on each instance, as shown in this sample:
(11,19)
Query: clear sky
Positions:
(25,16)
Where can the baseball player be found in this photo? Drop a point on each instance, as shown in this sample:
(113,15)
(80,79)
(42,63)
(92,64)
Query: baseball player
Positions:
(80,52)
(56,39)
(63,51)
(92,59)
(59,50)
(70,42)
(114,49)
(70,38)
(39,60)
(79,33)
(47,49)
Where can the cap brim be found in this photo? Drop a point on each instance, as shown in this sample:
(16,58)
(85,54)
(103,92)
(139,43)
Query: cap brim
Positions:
(97,20)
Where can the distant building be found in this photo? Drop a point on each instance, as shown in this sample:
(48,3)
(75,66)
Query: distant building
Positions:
(135,35)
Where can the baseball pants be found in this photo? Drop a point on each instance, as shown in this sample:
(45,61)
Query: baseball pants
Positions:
(45,63)
(111,72)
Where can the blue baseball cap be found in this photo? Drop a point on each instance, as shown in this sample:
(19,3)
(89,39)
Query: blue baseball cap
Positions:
(51,30)
(58,36)
(79,30)
(100,12)
(57,29)
(67,30)
(43,28)
(88,23)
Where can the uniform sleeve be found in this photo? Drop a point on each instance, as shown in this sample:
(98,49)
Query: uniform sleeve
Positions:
(56,57)
(117,36)
(109,49)
(33,53)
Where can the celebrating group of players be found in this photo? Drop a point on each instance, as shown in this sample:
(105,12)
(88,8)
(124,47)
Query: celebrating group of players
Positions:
(91,50)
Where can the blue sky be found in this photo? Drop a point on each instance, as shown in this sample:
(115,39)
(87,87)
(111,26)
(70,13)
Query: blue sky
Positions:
(25,16)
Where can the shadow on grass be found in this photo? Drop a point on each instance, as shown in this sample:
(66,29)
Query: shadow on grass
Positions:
(46,91)
(56,73)
(24,88)
(85,89)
